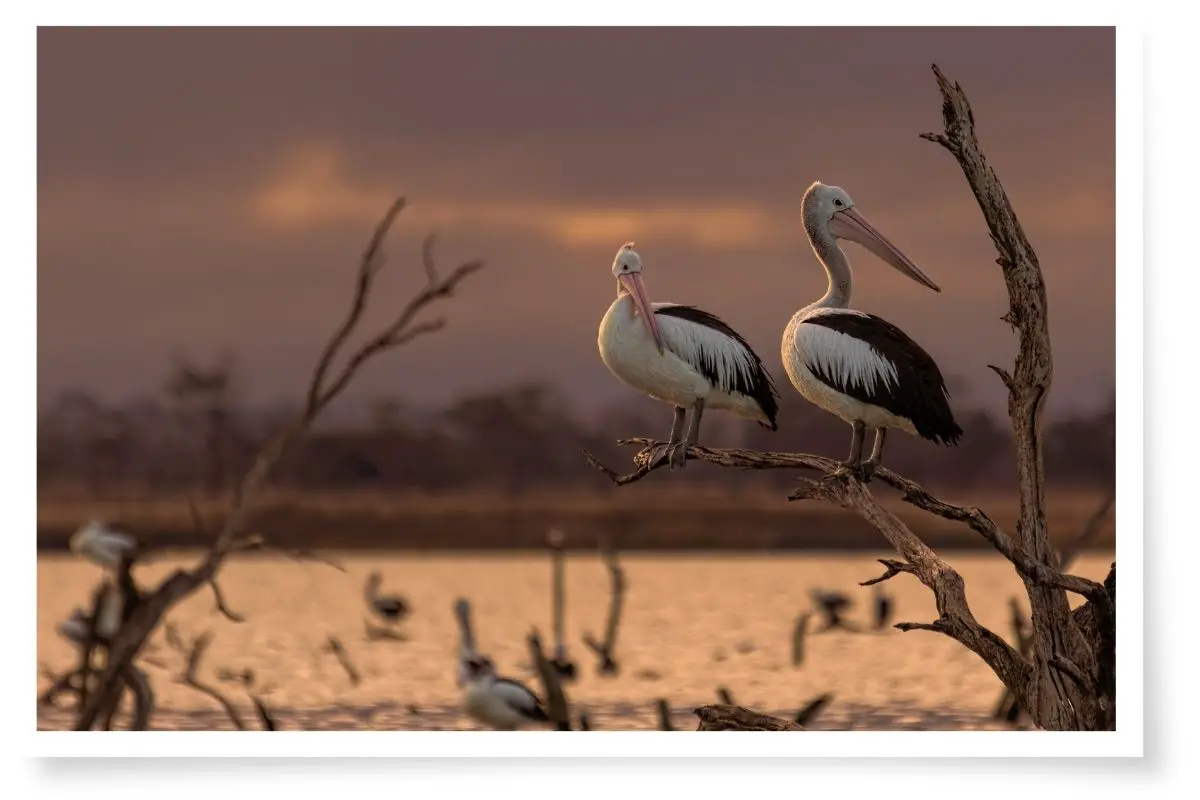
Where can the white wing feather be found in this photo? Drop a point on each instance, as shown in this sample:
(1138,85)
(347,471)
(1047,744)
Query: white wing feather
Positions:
(707,350)
(844,359)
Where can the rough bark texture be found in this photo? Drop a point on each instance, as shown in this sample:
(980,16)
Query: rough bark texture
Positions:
(723,717)
(1059,701)
(1068,682)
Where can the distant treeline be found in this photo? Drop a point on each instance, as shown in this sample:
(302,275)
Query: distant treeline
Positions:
(513,439)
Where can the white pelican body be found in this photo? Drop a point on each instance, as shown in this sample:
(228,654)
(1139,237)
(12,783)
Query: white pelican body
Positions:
(682,356)
(75,627)
(857,365)
(500,703)
(108,619)
(102,545)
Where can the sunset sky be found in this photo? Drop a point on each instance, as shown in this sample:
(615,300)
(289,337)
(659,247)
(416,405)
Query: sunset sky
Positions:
(204,190)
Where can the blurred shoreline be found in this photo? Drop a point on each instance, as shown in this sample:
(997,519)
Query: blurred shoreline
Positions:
(661,519)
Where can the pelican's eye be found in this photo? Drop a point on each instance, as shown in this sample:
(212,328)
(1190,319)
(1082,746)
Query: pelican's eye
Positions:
(838,203)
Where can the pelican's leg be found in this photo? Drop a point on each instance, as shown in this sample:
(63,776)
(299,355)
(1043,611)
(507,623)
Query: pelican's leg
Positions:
(856,445)
(868,466)
(679,451)
(676,432)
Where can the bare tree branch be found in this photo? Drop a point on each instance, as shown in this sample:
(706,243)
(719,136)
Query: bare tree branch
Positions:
(192,656)
(894,568)
(799,634)
(231,615)
(143,699)
(810,711)
(618,584)
(335,646)
(320,392)
(664,715)
(561,663)
(264,715)
(557,708)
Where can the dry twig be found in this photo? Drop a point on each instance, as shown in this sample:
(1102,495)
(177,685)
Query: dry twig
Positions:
(335,646)
(264,715)
(664,715)
(618,584)
(799,630)
(192,656)
(810,711)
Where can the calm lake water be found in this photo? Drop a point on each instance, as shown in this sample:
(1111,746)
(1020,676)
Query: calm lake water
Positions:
(691,624)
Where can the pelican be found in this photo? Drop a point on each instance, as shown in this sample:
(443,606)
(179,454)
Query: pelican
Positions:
(100,544)
(857,365)
(389,607)
(500,703)
(108,620)
(682,356)
(75,627)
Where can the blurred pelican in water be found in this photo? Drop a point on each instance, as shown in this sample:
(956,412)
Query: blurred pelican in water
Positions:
(104,546)
(108,621)
(500,703)
(390,608)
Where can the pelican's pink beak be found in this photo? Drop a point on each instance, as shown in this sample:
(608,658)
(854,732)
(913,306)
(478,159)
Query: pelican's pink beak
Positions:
(849,224)
(632,283)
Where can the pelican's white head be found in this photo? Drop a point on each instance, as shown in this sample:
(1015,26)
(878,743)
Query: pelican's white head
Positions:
(830,210)
(627,262)
(627,269)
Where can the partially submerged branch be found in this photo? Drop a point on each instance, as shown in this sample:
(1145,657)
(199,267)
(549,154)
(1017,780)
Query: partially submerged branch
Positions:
(192,656)
(799,633)
(334,645)
(557,708)
(617,585)
(561,663)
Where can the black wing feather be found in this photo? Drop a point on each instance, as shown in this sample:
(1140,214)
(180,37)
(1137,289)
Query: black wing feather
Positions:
(758,385)
(919,394)
(537,712)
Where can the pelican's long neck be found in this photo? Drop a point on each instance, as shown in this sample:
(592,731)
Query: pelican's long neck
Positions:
(837,267)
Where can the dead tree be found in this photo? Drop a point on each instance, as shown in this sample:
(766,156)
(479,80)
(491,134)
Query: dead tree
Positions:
(325,384)
(1007,708)
(1068,681)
